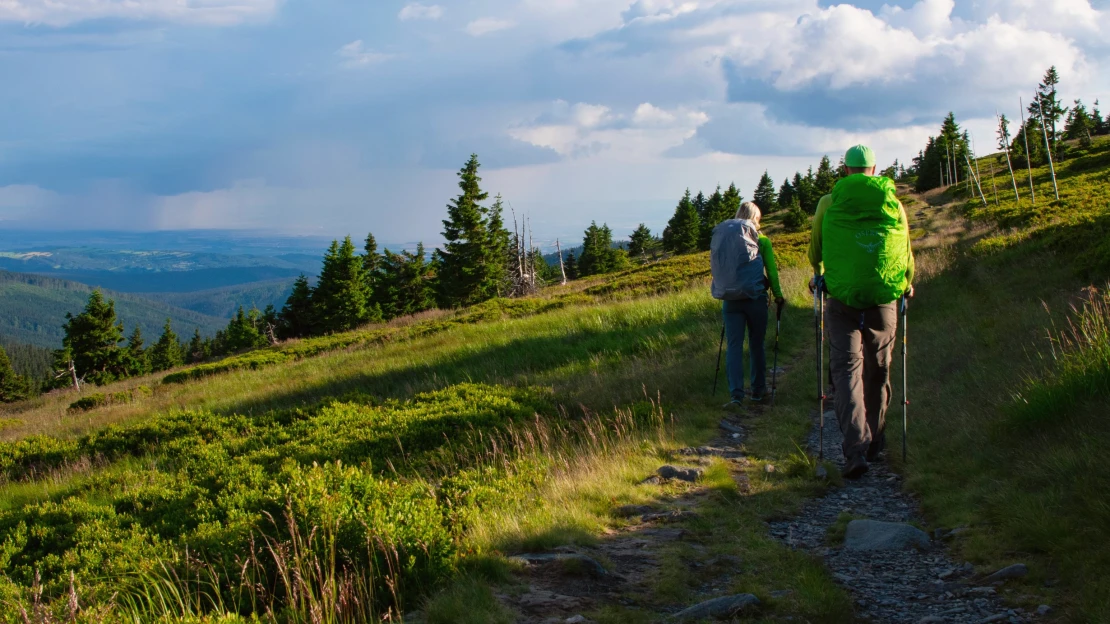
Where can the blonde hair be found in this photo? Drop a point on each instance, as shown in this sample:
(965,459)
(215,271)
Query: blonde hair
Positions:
(749,211)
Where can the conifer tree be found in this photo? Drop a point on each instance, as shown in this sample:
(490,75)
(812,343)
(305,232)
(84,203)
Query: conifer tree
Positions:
(13,387)
(498,251)
(245,331)
(1079,125)
(92,340)
(598,254)
(341,300)
(1102,124)
(1003,133)
(570,265)
(465,274)
(640,242)
(683,230)
(137,362)
(824,180)
(166,353)
(407,283)
(701,204)
(296,318)
(787,195)
(197,350)
(721,207)
(764,195)
(1046,107)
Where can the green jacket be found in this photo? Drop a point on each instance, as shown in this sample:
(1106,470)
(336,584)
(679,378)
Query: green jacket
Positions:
(770,265)
(861,242)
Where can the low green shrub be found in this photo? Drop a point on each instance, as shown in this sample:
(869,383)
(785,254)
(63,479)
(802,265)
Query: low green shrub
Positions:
(89,402)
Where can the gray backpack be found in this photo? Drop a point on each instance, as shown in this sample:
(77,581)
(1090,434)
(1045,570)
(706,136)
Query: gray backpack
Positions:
(735,261)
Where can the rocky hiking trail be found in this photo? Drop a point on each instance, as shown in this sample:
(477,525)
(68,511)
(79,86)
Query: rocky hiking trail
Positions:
(620,569)
(894,572)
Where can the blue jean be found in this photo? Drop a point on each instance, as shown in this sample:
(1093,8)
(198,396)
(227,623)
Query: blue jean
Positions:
(750,315)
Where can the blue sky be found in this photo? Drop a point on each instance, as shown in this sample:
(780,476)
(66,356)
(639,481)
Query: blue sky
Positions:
(337,116)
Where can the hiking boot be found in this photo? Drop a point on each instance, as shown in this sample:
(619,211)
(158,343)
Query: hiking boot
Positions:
(875,449)
(735,406)
(855,468)
(756,397)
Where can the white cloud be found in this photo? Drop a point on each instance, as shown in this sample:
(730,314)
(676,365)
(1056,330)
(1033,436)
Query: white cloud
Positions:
(486,25)
(586,130)
(418,11)
(64,12)
(354,54)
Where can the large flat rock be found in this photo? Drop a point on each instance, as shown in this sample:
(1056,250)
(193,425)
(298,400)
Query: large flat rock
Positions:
(875,535)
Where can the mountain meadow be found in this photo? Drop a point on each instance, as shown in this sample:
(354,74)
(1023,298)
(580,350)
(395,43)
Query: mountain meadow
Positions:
(389,469)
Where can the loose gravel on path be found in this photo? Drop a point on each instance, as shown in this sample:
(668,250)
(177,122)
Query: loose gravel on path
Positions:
(914,586)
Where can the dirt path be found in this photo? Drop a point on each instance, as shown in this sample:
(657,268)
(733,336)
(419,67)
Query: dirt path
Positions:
(619,571)
(899,586)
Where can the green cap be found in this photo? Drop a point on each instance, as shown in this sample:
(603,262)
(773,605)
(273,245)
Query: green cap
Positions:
(859,156)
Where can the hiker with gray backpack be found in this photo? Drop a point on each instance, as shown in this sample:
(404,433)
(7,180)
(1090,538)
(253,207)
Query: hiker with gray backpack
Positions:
(743,266)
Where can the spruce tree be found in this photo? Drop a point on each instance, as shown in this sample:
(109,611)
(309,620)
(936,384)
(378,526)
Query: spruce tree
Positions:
(764,195)
(1047,106)
(296,318)
(137,362)
(166,353)
(786,195)
(13,387)
(1079,125)
(197,350)
(640,242)
(1102,124)
(92,340)
(1003,133)
(498,251)
(407,283)
(570,265)
(824,180)
(684,230)
(722,207)
(341,300)
(465,274)
(701,204)
(598,254)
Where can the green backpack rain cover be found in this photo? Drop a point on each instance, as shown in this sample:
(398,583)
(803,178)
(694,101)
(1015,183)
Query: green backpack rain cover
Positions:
(864,242)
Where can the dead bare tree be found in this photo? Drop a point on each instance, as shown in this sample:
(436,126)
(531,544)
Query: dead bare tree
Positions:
(1006,141)
(1028,156)
(70,371)
(1048,146)
(562,269)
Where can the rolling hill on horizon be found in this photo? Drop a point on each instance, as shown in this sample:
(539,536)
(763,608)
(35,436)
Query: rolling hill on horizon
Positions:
(33,309)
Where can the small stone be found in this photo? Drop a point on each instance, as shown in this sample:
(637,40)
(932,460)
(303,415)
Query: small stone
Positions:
(576,619)
(682,474)
(781,593)
(736,436)
(1044,610)
(875,535)
(727,606)
(669,516)
(1018,570)
(629,511)
(731,428)
(998,617)
(931,619)
(822,472)
(769,468)
(569,560)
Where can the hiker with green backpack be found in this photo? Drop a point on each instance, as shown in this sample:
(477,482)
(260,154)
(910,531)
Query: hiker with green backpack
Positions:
(740,256)
(861,256)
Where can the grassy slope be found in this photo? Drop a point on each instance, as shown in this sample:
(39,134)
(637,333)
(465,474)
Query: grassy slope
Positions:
(1031,489)
(575,346)
(33,309)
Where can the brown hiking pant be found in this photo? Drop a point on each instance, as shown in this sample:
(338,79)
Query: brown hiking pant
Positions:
(862,348)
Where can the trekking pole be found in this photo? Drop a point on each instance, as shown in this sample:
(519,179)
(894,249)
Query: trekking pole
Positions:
(819,328)
(720,349)
(905,393)
(775,366)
